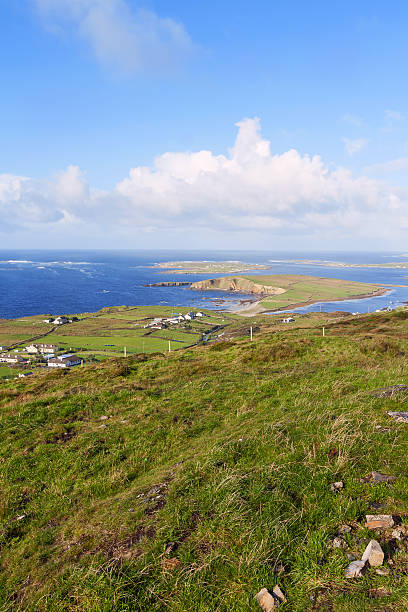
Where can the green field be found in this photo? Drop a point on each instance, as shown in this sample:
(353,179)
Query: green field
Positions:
(110,330)
(301,289)
(190,481)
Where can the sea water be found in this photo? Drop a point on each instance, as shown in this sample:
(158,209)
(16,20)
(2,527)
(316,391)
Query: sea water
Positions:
(67,282)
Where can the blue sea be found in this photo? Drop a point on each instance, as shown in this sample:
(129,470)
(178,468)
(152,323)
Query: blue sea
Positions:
(66,282)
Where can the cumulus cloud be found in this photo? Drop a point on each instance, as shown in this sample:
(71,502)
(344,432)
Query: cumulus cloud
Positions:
(248,189)
(354,146)
(122,37)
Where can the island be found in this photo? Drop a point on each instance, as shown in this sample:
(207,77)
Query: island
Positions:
(208,267)
(283,291)
(343,264)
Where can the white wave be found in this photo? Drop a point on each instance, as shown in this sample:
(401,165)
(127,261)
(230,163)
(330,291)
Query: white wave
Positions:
(16,261)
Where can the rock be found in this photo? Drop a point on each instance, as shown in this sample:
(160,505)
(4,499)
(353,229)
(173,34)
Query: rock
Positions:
(397,534)
(277,593)
(338,543)
(377,477)
(344,529)
(170,565)
(353,570)
(266,600)
(400,417)
(383,571)
(336,487)
(269,601)
(373,554)
(21,517)
(391,391)
(103,418)
(379,521)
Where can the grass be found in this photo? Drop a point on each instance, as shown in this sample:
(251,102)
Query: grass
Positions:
(210,478)
(117,327)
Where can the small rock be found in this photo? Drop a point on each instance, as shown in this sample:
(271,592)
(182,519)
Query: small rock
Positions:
(21,517)
(170,564)
(377,477)
(336,486)
(397,534)
(400,417)
(269,601)
(101,426)
(338,543)
(382,571)
(373,554)
(344,529)
(277,593)
(266,600)
(124,421)
(379,521)
(353,570)
(103,418)
(390,391)
(377,505)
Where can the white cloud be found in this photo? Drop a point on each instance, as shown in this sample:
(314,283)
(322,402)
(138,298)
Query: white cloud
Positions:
(354,146)
(122,37)
(248,190)
(393,115)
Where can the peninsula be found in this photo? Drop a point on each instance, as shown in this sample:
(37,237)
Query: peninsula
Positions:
(208,267)
(283,291)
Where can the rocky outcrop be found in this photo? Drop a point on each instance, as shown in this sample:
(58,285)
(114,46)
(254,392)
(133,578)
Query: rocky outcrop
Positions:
(168,284)
(237,284)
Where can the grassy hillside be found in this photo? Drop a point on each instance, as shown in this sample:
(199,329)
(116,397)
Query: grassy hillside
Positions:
(189,481)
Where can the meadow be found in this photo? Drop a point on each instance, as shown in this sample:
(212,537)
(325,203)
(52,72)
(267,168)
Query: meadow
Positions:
(189,481)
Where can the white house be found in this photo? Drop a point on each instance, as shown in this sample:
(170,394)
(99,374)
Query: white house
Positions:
(199,314)
(288,320)
(41,348)
(61,320)
(64,361)
(10,358)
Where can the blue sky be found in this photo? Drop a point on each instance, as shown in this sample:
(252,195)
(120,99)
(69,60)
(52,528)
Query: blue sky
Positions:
(92,89)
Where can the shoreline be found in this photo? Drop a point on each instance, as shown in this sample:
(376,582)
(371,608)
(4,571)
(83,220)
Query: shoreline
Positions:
(255,308)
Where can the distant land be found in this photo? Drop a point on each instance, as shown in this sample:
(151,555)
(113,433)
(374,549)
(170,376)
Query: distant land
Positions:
(208,267)
(284,291)
(342,264)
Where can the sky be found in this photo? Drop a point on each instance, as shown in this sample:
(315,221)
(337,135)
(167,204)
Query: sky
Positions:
(205,124)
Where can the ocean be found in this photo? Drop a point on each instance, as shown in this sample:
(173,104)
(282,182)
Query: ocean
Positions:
(67,282)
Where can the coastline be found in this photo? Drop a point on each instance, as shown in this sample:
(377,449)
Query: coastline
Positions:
(255,308)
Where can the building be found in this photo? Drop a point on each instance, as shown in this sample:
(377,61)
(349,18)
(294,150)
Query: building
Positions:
(64,361)
(41,348)
(61,320)
(288,320)
(11,358)
(50,320)
(25,374)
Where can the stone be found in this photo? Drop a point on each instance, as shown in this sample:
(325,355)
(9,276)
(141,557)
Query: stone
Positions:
(379,521)
(277,593)
(373,554)
(344,529)
(353,570)
(377,477)
(103,418)
(397,534)
(338,543)
(382,571)
(336,487)
(266,600)
(400,417)
(269,601)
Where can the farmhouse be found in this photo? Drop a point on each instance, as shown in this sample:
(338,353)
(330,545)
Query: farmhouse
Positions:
(288,320)
(64,361)
(41,348)
(61,320)
(11,358)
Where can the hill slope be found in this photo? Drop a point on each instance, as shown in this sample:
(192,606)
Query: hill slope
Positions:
(189,482)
